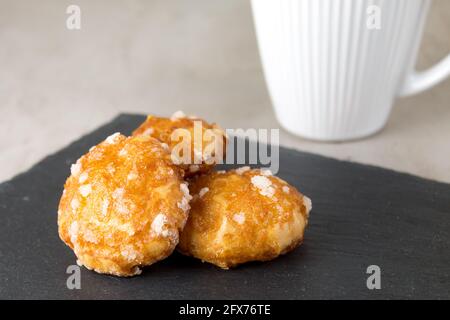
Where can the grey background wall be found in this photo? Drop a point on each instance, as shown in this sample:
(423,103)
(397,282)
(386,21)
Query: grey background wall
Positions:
(161,56)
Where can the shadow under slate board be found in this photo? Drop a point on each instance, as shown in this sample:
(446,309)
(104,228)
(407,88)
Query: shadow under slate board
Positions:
(362,216)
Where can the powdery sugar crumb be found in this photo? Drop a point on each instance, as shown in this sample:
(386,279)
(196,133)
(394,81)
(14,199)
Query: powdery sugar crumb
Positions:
(74,204)
(122,208)
(159,225)
(120,203)
(73,232)
(75,168)
(123,152)
(112,138)
(285,189)
(89,236)
(184,203)
(85,190)
(118,193)
(132,176)
(83,177)
(307,202)
(177,115)
(264,185)
(241,170)
(148,132)
(184,188)
(105,206)
(239,217)
(129,253)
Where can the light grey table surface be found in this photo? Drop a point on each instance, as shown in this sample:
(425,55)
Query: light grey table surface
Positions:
(162,56)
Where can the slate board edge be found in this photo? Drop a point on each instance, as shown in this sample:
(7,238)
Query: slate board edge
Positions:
(125,116)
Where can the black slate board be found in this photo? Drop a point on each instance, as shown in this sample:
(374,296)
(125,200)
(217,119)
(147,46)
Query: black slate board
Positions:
(362,215)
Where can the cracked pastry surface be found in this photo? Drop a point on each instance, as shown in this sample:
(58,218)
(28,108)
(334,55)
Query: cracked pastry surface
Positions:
(243,215)
(123,205)
(205,143)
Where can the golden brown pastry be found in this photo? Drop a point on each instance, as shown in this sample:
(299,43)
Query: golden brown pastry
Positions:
(123,205)
(195,145)
(243,215)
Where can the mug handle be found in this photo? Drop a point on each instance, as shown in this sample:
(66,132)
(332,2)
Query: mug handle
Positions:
(419,81)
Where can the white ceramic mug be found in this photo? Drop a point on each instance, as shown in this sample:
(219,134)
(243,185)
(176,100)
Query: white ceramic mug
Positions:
(332,72)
